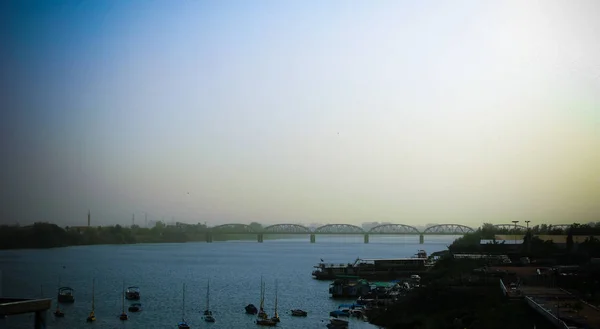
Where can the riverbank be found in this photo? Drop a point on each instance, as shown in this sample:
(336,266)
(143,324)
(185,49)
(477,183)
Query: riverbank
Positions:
(452,298)
(46,235)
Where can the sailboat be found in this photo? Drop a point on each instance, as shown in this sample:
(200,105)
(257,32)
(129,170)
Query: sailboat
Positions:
(261,313)
(275,317)
(123,315)
(207,313)
(58,313)
(263,318)
(183,324)
(92,316)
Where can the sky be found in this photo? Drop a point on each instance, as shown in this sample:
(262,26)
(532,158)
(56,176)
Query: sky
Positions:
(409,112)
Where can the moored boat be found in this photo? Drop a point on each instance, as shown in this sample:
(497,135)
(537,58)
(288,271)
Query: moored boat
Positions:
(251,309)
(92,316)
(349,287)
(135,307)
(299,312)
(123,315)
(372,269)
(132,293)
(275,317)
(65,295)
(183,324)
(208,317)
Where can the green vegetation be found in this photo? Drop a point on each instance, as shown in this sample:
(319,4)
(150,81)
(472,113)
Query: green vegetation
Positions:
(46,235)
(454,296)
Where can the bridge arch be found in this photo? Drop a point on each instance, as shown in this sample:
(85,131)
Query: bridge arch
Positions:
(339,229)
(394,229)
(232,228)
(287,228)
(510,227)
(448,229)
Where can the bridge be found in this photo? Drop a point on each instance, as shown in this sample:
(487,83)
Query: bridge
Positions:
(348,229)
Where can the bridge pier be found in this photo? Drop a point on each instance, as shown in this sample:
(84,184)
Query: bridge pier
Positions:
(209,237)
(421,238)
(313,238)
(260,237)
(366,237)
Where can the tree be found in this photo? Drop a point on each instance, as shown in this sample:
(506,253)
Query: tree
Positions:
(570,240)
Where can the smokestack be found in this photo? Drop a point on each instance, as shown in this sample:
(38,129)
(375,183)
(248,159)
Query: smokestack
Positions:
(89,218)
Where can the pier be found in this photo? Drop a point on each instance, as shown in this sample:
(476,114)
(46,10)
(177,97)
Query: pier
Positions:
(14,306)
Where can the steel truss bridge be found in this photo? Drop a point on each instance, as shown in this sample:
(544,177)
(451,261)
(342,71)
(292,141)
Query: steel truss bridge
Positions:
(348,229)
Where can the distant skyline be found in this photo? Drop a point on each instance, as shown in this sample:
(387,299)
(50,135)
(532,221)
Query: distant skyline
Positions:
(300,111)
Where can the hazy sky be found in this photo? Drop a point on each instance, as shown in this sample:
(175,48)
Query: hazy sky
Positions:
(300,111)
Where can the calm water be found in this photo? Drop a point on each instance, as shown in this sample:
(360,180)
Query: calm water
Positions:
(234,269)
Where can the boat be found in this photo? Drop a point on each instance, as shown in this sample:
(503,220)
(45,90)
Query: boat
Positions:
(261,312)
(132,293)
(183,324)
(65,295)
(374,269)
(123,315)
(251,309)
(299,312)
(263,318)
(275,317)
(208,317)
(349,287)
(92,316)
(58,313)
(135,307)
(337,324)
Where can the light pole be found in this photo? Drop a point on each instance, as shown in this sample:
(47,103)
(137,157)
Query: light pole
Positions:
(528,235)
(515,233)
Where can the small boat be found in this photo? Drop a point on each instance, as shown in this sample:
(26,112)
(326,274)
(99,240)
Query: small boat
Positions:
(275,317)
(92,316)
(337,324)
(266,322)
(135,307)
(58,313)
(208,313)
(251,309)
(132,293)
(65,295)
(299,312)
(123,315)
(183,324)
(337,313)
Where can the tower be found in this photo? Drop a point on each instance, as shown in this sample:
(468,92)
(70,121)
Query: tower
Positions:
(89,218)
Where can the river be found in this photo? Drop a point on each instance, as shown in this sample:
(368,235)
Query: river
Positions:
(233,267)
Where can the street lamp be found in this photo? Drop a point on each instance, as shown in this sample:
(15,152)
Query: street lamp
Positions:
(527,222)
(515,233)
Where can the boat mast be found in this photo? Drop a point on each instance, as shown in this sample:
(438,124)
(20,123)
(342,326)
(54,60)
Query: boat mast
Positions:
(207,295)
(276,315)
(183,305)
(262,294)
(123,298)
(93,283)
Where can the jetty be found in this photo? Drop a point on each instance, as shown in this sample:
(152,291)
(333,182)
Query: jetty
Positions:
(14,306)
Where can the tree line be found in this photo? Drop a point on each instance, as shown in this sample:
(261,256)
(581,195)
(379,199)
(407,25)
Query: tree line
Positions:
(48,235)
(532,244)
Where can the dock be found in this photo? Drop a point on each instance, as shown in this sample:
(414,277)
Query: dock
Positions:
(562,308)
(14,306)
